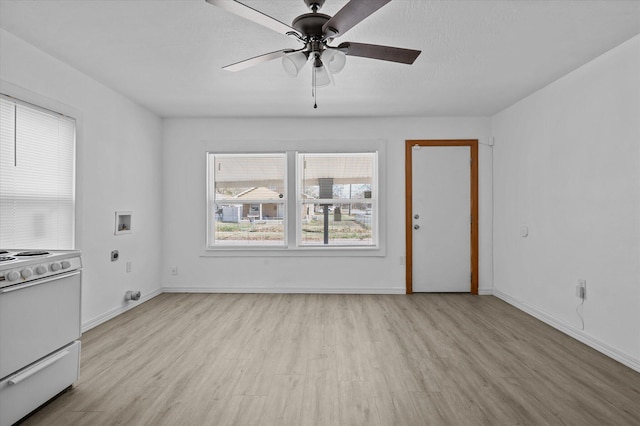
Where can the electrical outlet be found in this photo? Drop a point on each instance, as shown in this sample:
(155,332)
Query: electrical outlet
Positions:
(402,261)
(129,266)
(581,289)
(174,270)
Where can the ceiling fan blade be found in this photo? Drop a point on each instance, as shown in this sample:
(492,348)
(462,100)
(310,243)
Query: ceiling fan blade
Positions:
(384,53)
(351,14)
(248,63)
(251,14)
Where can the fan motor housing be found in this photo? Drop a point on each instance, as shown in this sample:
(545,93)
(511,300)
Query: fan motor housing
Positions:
(310,24)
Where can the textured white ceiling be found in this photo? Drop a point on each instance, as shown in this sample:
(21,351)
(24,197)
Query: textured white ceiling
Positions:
(478,56)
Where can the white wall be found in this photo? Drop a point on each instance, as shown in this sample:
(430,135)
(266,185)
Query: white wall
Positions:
(185,144)
(567,165)
(119,168)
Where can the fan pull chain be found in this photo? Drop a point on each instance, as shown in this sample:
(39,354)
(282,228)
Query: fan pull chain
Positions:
(314,88)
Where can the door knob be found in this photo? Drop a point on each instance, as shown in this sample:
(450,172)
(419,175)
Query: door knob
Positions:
(416,226)
(416,216)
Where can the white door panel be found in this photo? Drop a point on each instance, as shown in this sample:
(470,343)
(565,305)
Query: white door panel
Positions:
(441,213)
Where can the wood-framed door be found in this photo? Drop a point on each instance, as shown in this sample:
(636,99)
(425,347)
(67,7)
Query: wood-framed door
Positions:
(473,205)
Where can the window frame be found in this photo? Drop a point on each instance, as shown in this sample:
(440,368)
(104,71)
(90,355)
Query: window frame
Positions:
(373,201)
(291,148)
(210,203)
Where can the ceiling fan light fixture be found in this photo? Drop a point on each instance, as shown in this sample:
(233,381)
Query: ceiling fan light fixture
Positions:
(322,75)
(315,30)
(334,59)
(294,62)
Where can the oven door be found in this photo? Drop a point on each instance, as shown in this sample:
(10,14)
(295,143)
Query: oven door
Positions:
(27,389)
(37,318)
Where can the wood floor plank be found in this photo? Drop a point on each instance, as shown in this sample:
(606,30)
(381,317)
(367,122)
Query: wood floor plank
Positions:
(284,401)
(396,408)
(426,406)
(286,359)
(357,404)
(320,404)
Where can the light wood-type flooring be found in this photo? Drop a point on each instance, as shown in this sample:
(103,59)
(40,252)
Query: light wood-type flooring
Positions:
(283,359)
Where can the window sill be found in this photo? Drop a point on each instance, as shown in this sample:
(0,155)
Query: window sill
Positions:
(333,251)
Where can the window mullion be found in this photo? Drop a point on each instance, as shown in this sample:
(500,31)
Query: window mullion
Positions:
(293,212)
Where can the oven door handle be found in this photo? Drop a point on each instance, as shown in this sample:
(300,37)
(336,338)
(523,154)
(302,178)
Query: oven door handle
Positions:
(38,282)
(36,368)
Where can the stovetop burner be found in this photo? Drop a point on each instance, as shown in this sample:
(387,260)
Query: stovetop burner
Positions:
(32,253)
(6,258)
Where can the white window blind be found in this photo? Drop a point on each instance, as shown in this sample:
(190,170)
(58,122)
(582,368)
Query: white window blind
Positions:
(37,177)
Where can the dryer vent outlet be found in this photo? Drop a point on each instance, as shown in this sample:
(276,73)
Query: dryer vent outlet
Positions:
(132,295)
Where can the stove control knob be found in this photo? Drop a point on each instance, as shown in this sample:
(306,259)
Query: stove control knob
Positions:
(12,275)
(26,273)
(65,264)
(55,266)
(41,269)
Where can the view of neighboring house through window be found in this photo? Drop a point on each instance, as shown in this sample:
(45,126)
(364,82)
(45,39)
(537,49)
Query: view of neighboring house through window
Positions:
(247,199)
(37,177)
(336,204)
(337,193)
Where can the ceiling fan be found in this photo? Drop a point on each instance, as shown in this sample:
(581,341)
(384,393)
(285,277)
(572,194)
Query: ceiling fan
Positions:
(316,31)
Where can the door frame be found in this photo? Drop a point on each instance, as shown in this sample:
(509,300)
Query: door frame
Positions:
(473,147)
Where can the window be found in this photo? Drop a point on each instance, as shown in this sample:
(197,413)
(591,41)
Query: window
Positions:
(247,200)
(336,203)
(37,177)
(337,193)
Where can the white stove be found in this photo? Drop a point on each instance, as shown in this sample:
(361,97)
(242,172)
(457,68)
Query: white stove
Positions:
(40,294)
(19,266)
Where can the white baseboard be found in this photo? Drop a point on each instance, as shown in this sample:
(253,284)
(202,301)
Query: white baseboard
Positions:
(94,322)
(288,290)
(579,335)
(335,290)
